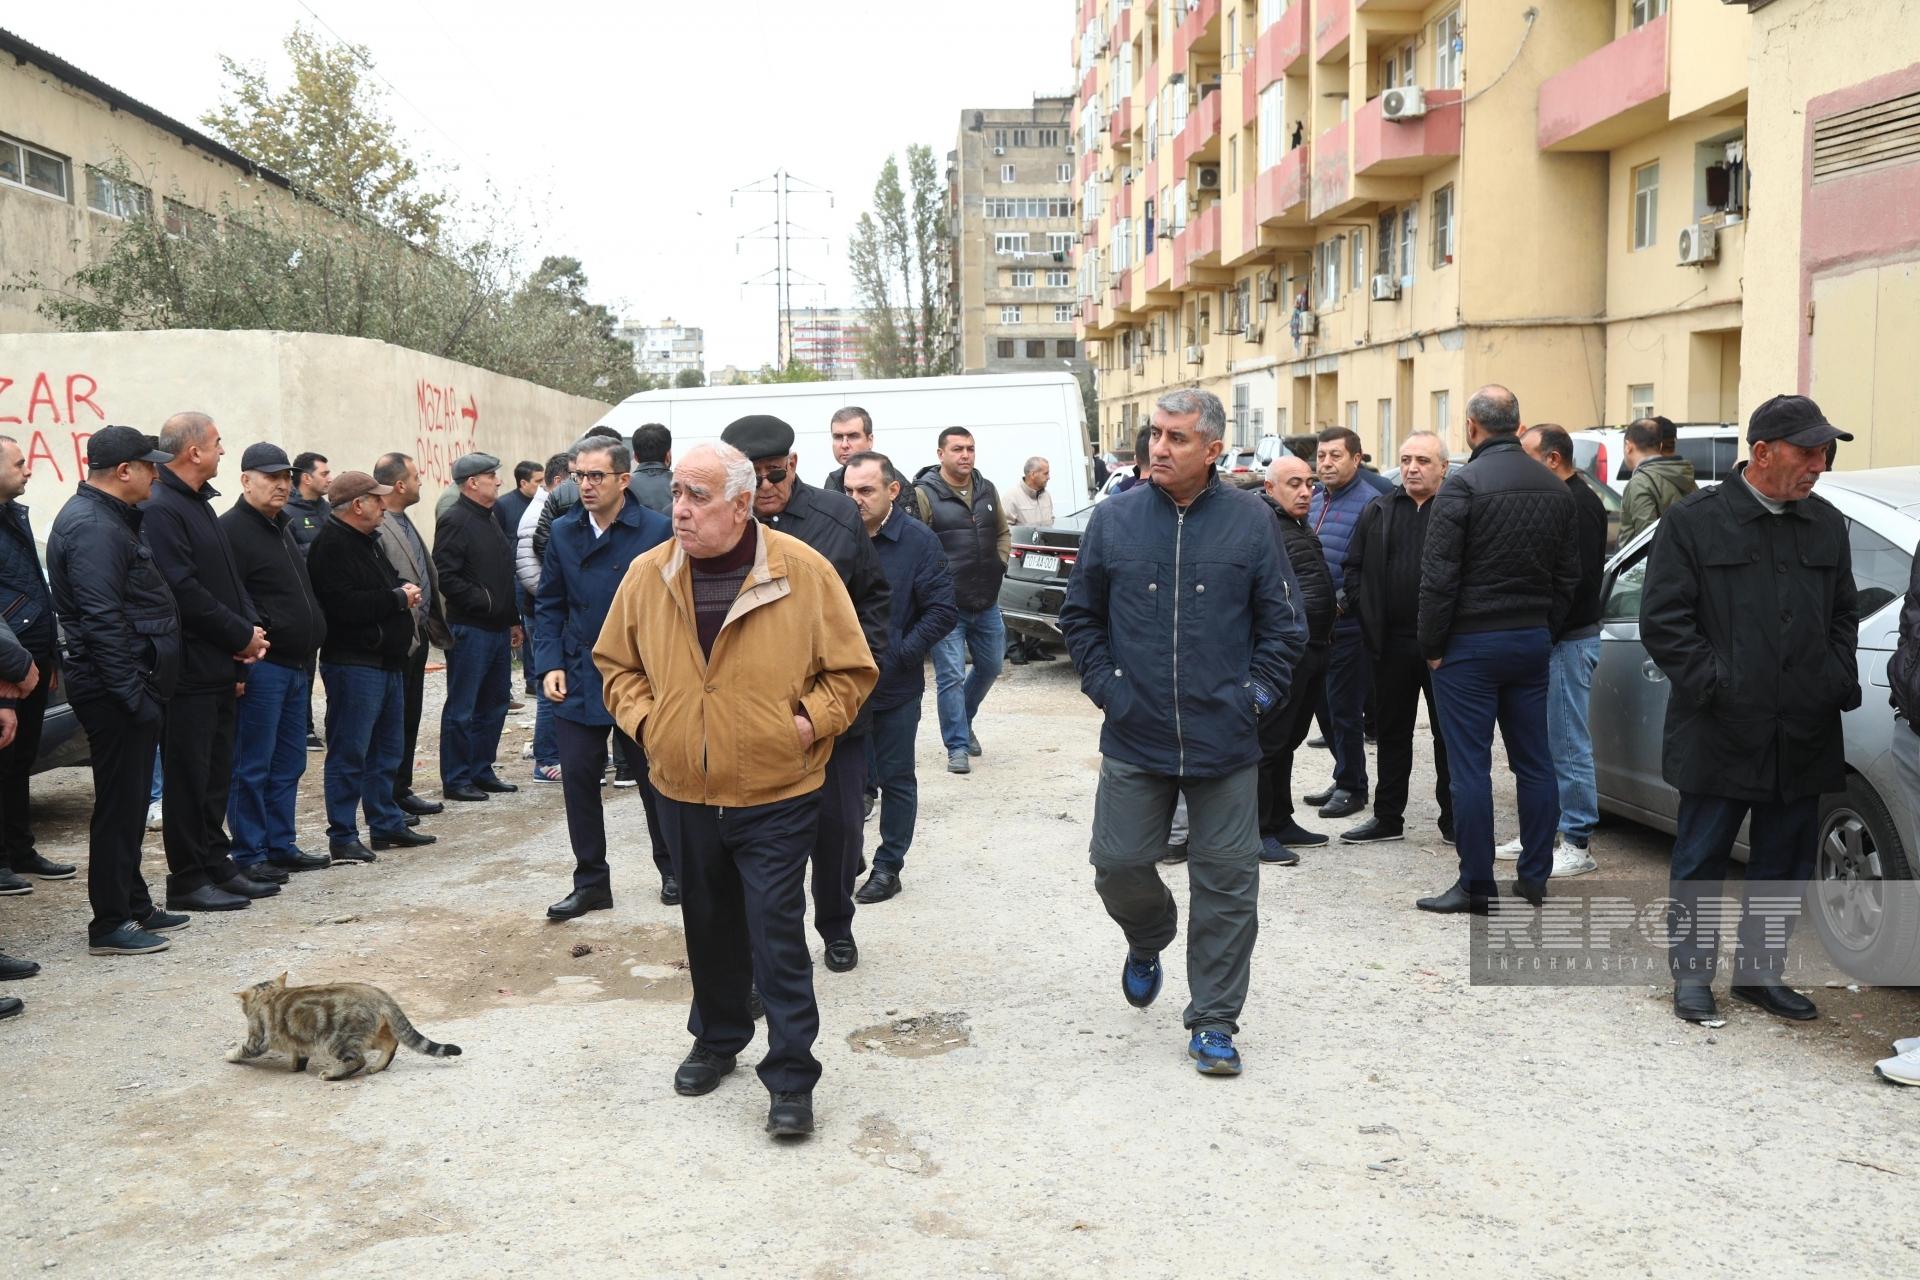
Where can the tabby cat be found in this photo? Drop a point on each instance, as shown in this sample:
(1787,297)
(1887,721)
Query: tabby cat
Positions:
(351,1023)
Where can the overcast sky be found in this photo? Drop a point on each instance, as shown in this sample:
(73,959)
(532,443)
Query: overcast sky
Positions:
(627,126)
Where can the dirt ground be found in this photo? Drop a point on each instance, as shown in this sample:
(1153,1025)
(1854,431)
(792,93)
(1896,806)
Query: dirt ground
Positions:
(990,1105)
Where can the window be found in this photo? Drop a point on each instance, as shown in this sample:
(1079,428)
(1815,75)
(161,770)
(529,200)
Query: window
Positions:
(1409,241)
(1359,273)
(1049,137)
(1004,348)
(1271,11)
(1006,173)
(1242,409)
(1623,596)
(115,197)
(1152,226)
(1353,416)
(1720,176)
(1639,401)
(1010,313)
(1442,414)
(1036,348)
(1059,242)
(1066,348)
(1404,64)
(185,220)
(1009,242)
(1000,139)
(1329,253)
(1058,278)
(1880,569)
(1065,172)
(1272,138)
(1641,12)
(1020,278)
(1023,137)
(1383,243)
(1447,50)
(1153,129)
(1063,313)
(1646,205)
(25,166)
(1443,226)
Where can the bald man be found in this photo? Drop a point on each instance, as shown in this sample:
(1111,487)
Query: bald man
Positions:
(1289,492)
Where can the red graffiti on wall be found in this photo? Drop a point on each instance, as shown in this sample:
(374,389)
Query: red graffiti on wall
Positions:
(447,428)
(51,401)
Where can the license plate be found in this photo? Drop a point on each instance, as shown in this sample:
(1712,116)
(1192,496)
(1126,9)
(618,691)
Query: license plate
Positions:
(1037,563)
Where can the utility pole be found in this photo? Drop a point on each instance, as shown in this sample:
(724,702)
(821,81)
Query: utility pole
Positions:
(782,186)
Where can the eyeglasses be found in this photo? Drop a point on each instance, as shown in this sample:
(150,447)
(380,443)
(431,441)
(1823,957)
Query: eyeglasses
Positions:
(595,478)
(773,475)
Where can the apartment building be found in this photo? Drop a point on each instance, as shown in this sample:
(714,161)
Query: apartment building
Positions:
(665,350)
(1010,288)
(1354,212)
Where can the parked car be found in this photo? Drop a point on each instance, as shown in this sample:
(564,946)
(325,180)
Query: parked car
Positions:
(1869,833)
(1712,447)
(1037,568)
(1241,467)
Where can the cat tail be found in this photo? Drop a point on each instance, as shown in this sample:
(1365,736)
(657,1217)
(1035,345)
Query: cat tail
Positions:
(413,1039)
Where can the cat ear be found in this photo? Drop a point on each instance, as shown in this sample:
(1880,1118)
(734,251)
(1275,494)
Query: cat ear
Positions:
(281,981)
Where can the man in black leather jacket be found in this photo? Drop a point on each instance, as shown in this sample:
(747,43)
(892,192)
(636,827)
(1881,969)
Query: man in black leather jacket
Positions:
(123,661)
(1289,492)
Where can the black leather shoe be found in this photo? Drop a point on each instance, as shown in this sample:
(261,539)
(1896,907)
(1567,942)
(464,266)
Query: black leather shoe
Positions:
(1319,798)
(11,968)
(1343,804)
(300,860)
(701,1072)
(1779,1000)
(1374,831)
(463,793)
(11,884)
(842,955)
(1446,831)
(1293,833)
(790,1115)
(247,887)
(1534,891)
(1317,742)
(10,1006)
(265,873)
(1174,853)
(579,902)
(412,819)
(880,886)
(1693,1002)
(756,1007)
(1454,901)
(208,898)
(352,851)
(420,807)
(404,838)
(669,891)
(42,869)
(495,785)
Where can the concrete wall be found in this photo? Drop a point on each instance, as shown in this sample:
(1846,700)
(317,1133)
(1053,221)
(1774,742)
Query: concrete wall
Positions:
(351,399)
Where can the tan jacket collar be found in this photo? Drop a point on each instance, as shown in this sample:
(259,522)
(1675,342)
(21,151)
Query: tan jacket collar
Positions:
(766,580)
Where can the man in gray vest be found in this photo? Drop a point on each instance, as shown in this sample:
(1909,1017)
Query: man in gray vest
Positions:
(963,508)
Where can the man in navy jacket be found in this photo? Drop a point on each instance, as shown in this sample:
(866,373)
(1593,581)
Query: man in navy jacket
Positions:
(920,609)
(588,551)
(1183,619)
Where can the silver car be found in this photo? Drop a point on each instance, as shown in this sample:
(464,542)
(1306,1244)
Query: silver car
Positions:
(1869,833)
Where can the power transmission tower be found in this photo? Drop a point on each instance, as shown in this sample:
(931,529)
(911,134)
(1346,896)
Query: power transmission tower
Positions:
(782,186)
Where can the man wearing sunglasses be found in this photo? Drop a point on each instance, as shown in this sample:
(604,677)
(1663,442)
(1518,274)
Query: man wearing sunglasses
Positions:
(831,525)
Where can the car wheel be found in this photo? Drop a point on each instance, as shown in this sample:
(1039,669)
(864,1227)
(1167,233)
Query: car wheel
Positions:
(1863,897)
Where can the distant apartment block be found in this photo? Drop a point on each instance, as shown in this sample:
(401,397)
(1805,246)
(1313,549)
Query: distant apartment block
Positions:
(665,350)
(830,340)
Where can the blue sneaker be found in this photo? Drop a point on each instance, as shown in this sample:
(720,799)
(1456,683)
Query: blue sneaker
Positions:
(1272,851)
(1213,1054)
(1140,979)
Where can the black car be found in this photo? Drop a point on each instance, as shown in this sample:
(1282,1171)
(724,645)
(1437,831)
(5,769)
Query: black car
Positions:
(1036,583)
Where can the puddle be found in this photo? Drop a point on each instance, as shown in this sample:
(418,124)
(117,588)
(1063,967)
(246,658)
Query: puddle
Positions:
(919,1037)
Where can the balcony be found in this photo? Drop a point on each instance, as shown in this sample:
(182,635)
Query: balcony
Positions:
(1385,148)
(1198,32)
(1331,189)
(1330,32)
(1159,266)
(1089,84)
(1120,124)
(1123,27)
(1199,243)
(1611,96)
(1280,192)
(1280,46)
(1200,139)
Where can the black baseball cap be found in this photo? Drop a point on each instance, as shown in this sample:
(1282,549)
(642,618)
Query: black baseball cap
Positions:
(264,457)
(1794,419)
(111,446)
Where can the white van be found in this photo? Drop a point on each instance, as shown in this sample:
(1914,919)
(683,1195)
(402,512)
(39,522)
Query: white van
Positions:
(1013,417)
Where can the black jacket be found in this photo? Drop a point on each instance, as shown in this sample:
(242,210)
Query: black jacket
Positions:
(509,507)
(275,576)
(123,632)
(368,621)
(1309,564)
(1501,550)
(1376,561)
(217,617)
(652,487)
(970,535)
(831,525)
(26,604)
(1753,618)
(1903,671)
(475,563)
(306,517)
(1590,527)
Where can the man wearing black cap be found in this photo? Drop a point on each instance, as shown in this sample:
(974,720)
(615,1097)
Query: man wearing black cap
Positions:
(270,723)
(829,523)
(475,563)
(123,661)
(1749,609)
(221,638)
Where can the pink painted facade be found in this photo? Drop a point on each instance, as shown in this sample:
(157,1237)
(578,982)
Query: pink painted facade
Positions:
(1089,84)
(1281,190)
(1191,28)
(1280,46)
(1332,178)
(1201,131)
(1120,123)
(1335,24)
(1594,104)
(1382,146)
(1201,239)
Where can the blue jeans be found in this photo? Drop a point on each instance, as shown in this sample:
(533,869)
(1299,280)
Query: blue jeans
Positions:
(1349,673)
(1500,677)
(1569,693)
(890,748)
(365,737)
(546,738)
(958,694)
(153,792)
(1782,843)
(479,685)
(527,673)
(269,757)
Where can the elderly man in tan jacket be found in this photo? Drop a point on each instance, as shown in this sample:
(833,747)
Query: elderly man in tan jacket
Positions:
(732,654)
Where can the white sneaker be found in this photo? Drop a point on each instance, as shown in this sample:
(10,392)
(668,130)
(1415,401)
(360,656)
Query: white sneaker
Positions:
(1509,851)
(1910,1045)
(1904,1069)
(526,752)
(1569,861)
(153,816)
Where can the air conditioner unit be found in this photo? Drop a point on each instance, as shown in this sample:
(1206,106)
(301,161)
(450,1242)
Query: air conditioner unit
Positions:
(1409,103)
(1386,288)
(1209,177)
(1269,289)
(1126,177)
(1196,354)
(1698,246)
(1166,232)
(999,151)
(1309,322)
(1257,333)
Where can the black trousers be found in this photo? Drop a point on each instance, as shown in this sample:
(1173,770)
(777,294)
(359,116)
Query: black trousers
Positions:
(583,759)
(836,849)
(413,680)
(122,752)
(1401,678)
(1281,733)
(196,760)
(744,908)
(16,767)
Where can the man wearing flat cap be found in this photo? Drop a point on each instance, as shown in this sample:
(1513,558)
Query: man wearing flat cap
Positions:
(829,523)
(1749,609)
(370,631)
(475,563)
(270,726)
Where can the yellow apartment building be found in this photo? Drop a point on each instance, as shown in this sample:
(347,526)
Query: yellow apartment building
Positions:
(1354,212)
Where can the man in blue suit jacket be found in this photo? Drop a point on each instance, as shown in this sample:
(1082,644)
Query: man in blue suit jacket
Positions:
(587,554)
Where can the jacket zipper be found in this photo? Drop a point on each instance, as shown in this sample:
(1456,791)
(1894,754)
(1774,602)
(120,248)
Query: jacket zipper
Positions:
(1179,735)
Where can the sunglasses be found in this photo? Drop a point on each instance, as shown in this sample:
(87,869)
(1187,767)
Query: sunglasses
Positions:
(773,475)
